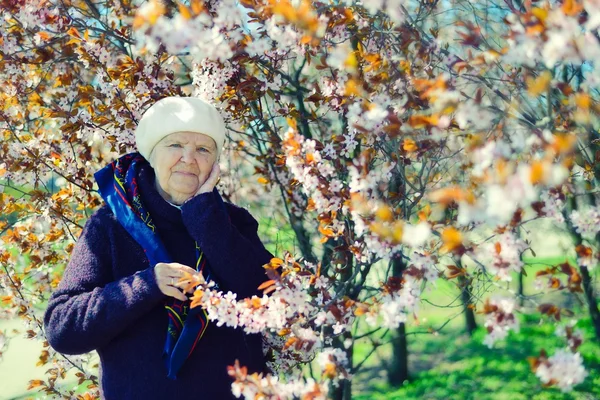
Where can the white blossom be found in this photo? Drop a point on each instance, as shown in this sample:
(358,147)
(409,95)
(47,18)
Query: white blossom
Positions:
(565,369)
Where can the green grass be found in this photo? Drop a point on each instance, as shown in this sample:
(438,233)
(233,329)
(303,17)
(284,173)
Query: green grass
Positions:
(454,366)
(277,239)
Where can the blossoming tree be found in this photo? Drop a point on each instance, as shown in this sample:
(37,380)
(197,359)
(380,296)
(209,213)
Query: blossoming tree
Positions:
(403,142)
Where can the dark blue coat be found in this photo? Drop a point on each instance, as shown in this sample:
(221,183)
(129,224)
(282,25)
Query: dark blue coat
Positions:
(109,301)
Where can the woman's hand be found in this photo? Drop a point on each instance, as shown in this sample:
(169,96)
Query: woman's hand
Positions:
(168,274)
(211,181)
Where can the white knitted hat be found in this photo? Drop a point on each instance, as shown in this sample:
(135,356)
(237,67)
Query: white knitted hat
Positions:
(178,114)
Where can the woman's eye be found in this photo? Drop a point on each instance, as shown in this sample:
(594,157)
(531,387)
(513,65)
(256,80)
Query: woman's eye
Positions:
(201,149)
(175,145)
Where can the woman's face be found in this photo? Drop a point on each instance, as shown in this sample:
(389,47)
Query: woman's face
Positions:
(182,162)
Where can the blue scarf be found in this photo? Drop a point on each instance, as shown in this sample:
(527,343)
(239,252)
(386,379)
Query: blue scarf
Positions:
(119,188)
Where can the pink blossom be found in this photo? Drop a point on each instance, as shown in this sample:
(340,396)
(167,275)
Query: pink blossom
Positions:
(500,319)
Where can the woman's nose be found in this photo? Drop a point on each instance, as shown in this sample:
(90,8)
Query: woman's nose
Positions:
(188,155)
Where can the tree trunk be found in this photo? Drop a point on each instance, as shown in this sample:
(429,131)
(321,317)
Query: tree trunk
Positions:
(585,274)
(341,392)
(466,296)
(465,286)
(344,390)
(520,290)
(591,300)
(303,239)
(398,372)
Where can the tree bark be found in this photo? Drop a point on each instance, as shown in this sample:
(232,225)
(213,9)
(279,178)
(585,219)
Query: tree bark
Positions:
(591,300)
(398,372)
(465,287)
(344,389)
(586,279)
(303,239)
(520,290)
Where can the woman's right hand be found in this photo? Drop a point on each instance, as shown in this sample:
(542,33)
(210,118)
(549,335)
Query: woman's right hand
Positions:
(168,274)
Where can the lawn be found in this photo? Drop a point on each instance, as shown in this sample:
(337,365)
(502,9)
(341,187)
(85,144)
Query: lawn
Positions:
(454,366)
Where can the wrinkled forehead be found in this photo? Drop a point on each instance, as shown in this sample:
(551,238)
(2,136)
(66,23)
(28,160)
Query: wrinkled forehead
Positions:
(195,138)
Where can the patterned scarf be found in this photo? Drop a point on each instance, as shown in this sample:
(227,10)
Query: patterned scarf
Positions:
(119,188)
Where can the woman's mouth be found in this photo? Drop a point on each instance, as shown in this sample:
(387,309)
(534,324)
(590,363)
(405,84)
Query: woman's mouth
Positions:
(185,173)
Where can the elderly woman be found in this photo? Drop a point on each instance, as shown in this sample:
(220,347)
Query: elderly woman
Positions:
(163,217)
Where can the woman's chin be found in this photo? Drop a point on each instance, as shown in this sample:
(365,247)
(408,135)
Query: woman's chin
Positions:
(183,194)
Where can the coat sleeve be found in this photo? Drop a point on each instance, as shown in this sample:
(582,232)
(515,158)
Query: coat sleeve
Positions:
(228,237)
(89,309)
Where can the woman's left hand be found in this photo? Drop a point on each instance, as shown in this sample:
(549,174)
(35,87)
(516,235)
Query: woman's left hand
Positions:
(211,181)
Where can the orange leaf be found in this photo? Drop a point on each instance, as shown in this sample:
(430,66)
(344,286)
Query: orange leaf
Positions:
(330,370)
(266,284)
(351,62)
(290,342)
(455,271)
(326,231)
(197,6)
(197,298)
(284,331)
(44,36)
(384,213)
(537,173)
(409,145)
(188,282)
(153,12)
(361,309)
(6,300)
(452,239)
(555,283)
(274,263)
(540,13)
(583,101)
(35,383)
(453,194)
(539,85)
(74,33)
(583,251)
(534,363)
(397,231)
(424,213)
(269,289)
(184,11)
(563,142)
(550,310)
(352,88)
(292,123)
(572,8)
(423,121)
(430,88)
